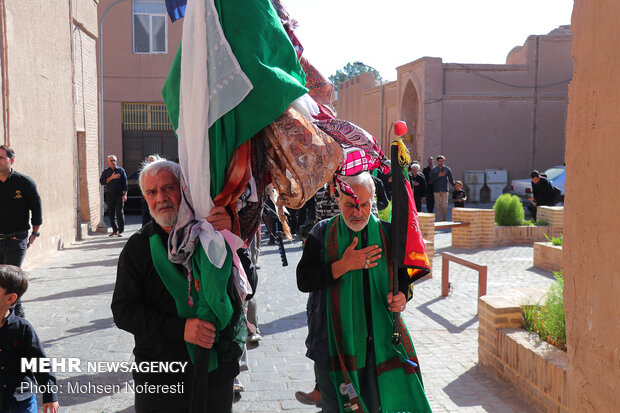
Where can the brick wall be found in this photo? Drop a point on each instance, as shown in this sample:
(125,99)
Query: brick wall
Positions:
(554,216)
(430,252)
(523,234)
(483,233)
(427,225)
(547,256)
(533,368)
(480,231)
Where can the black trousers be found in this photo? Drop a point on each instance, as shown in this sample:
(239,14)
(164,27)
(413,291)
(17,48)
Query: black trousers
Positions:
(115,212)
(12,252)
(221,400)
(418,203)
(218,397)
(203,393)
(430,201)
(329,396)
(369,385)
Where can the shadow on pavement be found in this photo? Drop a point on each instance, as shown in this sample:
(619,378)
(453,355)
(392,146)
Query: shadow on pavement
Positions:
(107,263)
(276,250)
(98,240)
(477,388)
(127,410)
(542,272)
(287,323)
(447,324)
(79,389)
(100,289)
(100,246)
(96,325)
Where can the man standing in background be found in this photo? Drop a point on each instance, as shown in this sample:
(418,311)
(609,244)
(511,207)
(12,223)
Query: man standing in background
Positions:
(418,184)
(19,201)
(430,197)
(115,180)
(439,177)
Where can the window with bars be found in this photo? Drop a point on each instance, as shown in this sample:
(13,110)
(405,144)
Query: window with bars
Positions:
(146,131)
(150,31)
(145,116)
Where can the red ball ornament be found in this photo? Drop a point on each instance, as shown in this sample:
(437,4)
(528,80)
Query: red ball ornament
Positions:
(400,128)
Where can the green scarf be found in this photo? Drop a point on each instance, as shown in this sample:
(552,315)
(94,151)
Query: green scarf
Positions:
(267,57)
(210,304)
(399,382)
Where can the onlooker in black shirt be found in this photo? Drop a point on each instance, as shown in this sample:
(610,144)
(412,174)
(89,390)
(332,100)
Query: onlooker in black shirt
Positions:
(20,202)
(382,199)
(542,191)
(430,197)
(418,184)
(115,180)
(387,181)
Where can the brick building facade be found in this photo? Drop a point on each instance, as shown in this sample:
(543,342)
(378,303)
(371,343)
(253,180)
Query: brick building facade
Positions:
(49,108)
(480,116)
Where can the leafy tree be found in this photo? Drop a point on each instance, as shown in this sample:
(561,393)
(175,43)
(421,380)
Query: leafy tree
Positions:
(351,70)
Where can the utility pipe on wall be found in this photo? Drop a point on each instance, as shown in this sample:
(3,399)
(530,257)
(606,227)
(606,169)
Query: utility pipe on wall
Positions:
(4,62)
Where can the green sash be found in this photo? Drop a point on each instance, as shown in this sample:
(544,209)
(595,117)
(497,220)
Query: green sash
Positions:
(210,304)
(399,382)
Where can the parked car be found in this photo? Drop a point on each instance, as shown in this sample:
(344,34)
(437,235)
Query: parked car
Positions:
(523,187)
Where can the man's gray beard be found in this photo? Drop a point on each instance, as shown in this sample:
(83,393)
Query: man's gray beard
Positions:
(165,220)
(356,228)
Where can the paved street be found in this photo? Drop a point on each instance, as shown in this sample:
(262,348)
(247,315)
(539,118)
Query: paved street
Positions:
(69,298)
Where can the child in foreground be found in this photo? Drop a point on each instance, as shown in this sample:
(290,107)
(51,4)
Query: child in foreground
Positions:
(18,340)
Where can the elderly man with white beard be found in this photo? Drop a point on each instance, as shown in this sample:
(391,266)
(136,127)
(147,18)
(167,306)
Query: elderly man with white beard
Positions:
(347,268)
(145,305)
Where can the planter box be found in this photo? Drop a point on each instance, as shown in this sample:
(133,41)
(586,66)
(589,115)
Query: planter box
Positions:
(480,233)
(522,234)
(533,368)
(554,216)
(427,225)
(483,233)
(430,252)
(547,256)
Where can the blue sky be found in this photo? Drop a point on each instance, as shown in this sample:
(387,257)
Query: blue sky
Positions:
(388,33)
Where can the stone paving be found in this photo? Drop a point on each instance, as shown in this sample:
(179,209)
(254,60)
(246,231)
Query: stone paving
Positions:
(69,304)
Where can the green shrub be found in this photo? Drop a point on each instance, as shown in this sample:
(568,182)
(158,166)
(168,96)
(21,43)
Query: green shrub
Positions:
(559,240)
(508,210)
(538,223)
(549,321)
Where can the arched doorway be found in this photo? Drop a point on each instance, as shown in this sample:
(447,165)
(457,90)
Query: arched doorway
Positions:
(410,113)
